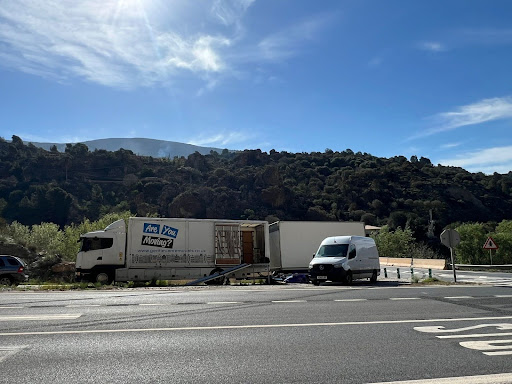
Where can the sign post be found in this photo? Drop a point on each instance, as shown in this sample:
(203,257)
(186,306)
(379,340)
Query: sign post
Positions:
(451,238)
(490,244)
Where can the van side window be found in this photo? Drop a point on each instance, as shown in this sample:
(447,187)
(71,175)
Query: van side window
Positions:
(352,251)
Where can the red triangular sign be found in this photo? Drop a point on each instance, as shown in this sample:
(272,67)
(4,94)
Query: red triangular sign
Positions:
(490,244)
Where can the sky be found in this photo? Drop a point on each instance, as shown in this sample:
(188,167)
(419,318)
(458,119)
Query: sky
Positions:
(425,78)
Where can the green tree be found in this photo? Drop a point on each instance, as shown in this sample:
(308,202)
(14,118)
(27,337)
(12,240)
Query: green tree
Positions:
(394,244)
(472,239)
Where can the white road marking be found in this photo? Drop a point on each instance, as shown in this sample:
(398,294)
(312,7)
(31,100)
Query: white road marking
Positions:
(256,326)
(223,302)
(500,378)
(460,297)
(6,352)
(404,298)
(489,347)
(71,316)
(350,300)
(474,335)
(502,296)
(151,304)
(82,305)
(442,329)
(288,301)
(11,307)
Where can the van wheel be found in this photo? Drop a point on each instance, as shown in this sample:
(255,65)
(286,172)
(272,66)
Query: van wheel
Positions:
(373,279)
(316,282)
(348,278)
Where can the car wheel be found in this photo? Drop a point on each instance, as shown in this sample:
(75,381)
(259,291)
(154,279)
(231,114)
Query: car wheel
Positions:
(348,278)
(5,280)
(373,279)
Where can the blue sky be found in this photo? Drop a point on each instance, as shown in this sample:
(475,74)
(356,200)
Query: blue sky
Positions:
(387,77)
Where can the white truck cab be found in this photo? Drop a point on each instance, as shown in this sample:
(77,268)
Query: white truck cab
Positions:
(345,258)
(101,253)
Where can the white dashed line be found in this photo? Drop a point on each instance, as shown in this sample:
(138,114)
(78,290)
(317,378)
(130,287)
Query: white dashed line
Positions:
(223,302)
(82,305)
(41,317)
(150,304)
(350,300)
(460,297)
(288,301)
(404,298)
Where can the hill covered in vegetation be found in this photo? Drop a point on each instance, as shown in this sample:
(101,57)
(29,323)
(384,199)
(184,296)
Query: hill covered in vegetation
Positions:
(65,187)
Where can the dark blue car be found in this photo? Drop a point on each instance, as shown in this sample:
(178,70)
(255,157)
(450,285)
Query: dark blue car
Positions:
(12,270)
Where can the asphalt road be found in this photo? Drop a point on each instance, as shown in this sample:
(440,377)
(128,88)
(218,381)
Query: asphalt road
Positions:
(258,334)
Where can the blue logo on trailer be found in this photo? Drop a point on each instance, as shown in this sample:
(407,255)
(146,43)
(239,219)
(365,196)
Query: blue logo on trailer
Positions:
(151,228)
(169,231)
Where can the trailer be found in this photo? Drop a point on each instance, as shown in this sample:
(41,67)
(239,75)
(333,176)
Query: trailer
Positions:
(173,248)
(293,243)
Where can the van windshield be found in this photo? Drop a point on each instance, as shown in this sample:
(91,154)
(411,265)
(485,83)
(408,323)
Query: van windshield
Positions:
(332,250)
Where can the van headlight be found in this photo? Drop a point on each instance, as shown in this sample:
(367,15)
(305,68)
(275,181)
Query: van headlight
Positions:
(310,266)
(338,266)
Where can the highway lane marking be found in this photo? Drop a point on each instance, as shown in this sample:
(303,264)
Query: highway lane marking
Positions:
(71,316)
(404,298)
(82,305)
(500,378)
(489,347)
(460,297)
(223,302)
(289,301)
(350,300)
(474,335)
(502,296)
(151,304)
(255,326)
(12,307)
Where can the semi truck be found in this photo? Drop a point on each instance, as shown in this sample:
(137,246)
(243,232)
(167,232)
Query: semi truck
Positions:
(294,243)
(173,248)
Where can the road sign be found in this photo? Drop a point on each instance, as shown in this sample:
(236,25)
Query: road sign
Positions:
(490,243)
(450,238)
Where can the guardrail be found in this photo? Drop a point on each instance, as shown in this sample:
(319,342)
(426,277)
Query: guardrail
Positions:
(409,262)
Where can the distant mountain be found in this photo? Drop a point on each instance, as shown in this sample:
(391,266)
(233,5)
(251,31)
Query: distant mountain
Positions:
(139,146)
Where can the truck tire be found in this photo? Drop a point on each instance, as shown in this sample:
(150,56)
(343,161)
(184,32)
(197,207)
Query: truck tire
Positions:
(217,281)
(103,277)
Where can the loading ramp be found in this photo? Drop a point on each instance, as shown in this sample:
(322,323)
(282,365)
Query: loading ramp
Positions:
(219,274)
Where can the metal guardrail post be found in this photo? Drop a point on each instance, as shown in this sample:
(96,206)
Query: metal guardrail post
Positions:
(430,273)
(412,273)
(385,273)
(398,272)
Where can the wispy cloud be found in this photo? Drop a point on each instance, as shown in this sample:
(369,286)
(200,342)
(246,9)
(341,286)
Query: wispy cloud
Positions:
(472,114)
(233,139)
(497,159)
(432,46)
(450,145)
(110,42)
(132,43)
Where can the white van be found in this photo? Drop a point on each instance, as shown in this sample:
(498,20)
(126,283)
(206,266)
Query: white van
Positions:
(345,258)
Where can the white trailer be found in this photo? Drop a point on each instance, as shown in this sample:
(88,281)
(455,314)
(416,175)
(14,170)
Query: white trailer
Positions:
(168,248)
(293,243)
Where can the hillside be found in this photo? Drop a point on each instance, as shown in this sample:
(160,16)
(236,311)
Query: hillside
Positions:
(38,186)
(139,146)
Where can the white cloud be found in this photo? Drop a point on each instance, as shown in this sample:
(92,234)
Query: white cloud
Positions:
(450,145)
(223,139)
(497,159)
(116,43)
(432,46)
(480,112)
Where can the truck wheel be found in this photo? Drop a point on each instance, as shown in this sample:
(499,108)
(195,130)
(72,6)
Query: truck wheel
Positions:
(373,279)
(348,278)
(5,280)
(103,277)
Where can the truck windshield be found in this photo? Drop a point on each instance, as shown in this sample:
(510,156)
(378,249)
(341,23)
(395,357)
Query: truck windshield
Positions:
(91,244)
(332,250)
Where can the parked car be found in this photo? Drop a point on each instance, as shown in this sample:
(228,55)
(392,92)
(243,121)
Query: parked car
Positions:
(12,270)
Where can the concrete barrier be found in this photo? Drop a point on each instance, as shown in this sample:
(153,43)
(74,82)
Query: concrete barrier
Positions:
(408,262)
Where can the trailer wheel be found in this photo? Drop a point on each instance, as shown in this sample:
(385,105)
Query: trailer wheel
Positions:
(373,279)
